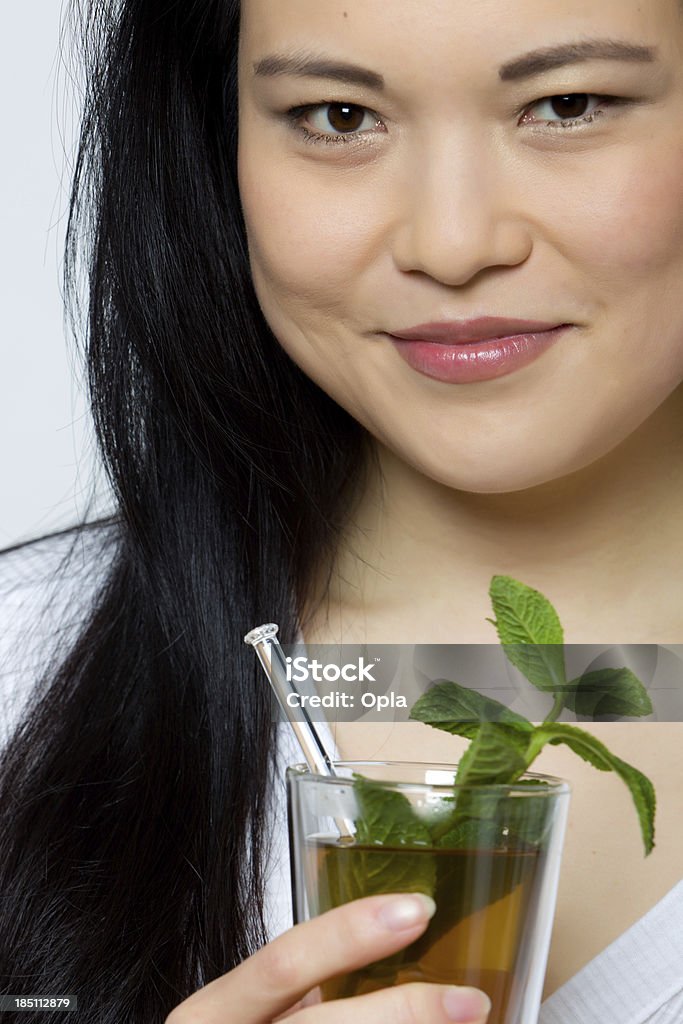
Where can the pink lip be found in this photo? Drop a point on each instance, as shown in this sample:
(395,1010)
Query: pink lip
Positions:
(473,360)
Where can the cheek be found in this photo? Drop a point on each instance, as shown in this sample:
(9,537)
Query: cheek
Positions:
(628,229)
(306,241)
(309,249)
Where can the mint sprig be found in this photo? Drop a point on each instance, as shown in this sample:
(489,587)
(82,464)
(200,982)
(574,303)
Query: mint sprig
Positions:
(400,849)
(504,744)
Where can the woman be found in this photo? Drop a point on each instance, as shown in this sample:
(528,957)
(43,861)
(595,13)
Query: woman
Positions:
(279,453)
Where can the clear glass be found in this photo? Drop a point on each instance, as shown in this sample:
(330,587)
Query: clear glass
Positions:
(489,855)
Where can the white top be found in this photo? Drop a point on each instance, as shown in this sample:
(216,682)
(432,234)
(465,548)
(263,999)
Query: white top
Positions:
(638,979)
(42,604)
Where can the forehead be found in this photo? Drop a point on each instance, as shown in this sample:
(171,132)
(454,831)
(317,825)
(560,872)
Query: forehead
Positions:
(396,29)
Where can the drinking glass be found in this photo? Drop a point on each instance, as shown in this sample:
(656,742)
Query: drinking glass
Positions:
(489,855)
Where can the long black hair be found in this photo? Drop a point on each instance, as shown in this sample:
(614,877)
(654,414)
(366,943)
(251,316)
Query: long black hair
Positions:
(135,793)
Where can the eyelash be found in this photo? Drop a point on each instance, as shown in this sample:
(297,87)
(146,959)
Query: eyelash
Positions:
(296,113)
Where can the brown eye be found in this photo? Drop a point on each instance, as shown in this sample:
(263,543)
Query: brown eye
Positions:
(335,122)
(573,105)
(568,110)
(345,118)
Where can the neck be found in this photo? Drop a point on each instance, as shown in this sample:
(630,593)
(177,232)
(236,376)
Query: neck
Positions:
(604,544)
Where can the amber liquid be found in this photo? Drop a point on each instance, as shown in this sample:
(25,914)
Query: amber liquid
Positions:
(479,935)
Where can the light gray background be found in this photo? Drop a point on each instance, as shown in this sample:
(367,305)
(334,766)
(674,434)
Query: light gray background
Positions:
(46,460)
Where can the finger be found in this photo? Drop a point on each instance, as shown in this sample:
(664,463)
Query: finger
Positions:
(283,971)
(403,1004)
(311,998)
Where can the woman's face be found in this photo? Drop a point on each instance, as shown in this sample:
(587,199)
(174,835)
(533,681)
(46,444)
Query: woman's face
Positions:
(549,191)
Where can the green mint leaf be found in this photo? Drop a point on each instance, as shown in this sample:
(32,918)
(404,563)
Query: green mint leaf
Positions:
(456,709)
(385,827)
(608,691)
(597,754)
(527,822)
(499,821)
(529,629)
(497,754)
(472,834)
(387,819)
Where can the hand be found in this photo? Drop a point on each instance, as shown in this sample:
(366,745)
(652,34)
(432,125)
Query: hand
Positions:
(271,984)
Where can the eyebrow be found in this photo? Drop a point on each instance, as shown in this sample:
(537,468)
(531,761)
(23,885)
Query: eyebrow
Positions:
(304,64)
(548,58)
(307,65)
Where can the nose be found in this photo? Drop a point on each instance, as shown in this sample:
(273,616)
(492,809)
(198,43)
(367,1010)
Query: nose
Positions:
(460,212)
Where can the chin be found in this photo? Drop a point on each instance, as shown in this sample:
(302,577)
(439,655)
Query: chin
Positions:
(496,477)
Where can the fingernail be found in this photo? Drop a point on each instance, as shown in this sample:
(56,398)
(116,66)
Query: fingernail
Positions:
(466,1005)
(405,912)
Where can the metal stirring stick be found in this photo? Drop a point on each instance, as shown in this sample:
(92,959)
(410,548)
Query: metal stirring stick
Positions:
(264,641)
